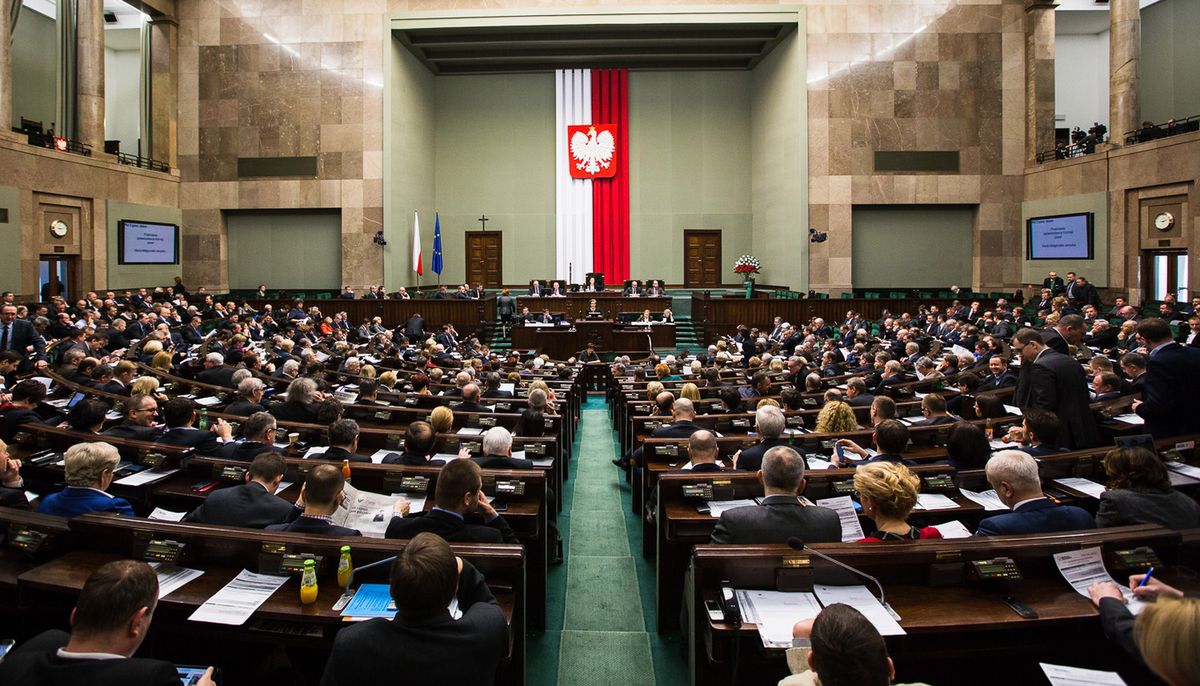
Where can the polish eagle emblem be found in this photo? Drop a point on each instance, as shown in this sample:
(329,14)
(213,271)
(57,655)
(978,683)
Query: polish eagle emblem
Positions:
(592,151)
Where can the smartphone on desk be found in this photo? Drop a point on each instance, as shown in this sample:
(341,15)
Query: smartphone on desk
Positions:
(190,675)
(499,505)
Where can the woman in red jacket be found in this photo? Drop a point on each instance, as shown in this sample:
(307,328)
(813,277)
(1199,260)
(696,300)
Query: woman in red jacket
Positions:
(888,492)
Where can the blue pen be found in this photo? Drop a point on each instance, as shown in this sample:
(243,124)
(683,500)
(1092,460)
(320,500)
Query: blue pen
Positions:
(1146,578)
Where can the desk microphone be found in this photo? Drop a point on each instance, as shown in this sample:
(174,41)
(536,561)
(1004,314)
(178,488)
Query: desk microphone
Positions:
(798,544)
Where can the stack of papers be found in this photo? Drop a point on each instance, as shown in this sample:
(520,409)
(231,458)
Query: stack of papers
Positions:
(844,507)
(934,501)
(954,529)
(775,612)
(172,578)
(1086,486)
(166,515)
(717,507)
(860,598)
(1130,418)
(986,499)
(144,477)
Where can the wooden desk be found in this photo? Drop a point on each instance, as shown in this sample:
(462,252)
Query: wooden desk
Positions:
(951,628)
(467,316)
(564,342)
(575,305)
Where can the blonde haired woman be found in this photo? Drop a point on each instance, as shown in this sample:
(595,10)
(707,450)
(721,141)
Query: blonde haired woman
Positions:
(147,385)
(163,361)
(888,493)
(690,391)
(836,417)
(442,420)
(388,380)
(653,389)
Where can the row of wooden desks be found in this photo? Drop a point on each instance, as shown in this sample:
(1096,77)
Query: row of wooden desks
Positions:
(566,341)
(49,579)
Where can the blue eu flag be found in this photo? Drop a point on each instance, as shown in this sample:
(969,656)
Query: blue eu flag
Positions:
(437,245)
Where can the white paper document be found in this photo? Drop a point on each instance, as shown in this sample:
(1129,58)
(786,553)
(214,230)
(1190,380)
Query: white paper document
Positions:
(986,499)
(717,507)
(955,529)
(1013,409)
(144,477)
(368,512)
(844,507)
(1185,469)
(468,431)
(1130,418)
(208,402)
(934,501)
(860,598)
(1086,486)
(166,515)
(817,462)
(315,451)
(775,612)
(378,455)
(1059,675)
(234,603)
(172,577)
(1082,568)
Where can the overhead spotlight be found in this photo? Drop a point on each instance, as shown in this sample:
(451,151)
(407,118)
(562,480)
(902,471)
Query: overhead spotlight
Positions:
(379,239)
(815,236)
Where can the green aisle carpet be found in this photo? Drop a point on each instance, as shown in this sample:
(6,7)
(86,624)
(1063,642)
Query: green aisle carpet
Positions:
(601,598)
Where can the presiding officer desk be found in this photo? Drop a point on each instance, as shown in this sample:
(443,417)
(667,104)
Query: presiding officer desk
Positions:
(957,630)
(46,592)
(566,341)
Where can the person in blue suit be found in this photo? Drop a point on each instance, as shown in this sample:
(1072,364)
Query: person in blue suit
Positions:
(1014,476)
(90,469)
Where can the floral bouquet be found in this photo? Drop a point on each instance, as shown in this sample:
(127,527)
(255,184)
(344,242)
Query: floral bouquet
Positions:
(747,265)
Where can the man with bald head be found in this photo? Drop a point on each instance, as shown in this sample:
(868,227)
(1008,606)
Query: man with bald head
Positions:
(703,451)
(681,426)
(470,403)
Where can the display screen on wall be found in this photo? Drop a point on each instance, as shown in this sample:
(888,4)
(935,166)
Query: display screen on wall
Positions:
(1060,237)
(147,242)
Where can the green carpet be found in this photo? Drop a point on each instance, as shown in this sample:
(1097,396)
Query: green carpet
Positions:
(602,599)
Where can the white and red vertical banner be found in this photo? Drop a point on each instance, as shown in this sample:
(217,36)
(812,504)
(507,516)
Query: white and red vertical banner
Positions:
(592,173)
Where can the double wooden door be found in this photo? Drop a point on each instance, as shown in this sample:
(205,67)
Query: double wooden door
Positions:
(484,259)
(701,258)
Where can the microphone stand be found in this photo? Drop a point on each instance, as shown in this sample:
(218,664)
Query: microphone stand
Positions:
(797,544)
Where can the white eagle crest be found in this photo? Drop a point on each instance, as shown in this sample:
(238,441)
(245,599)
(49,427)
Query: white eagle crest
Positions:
(592,152)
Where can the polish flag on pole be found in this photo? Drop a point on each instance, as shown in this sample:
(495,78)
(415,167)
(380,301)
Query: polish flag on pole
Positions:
(416,250)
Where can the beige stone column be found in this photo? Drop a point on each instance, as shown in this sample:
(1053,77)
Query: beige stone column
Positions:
(89,74)
(6,112)
(1124,77)
(1039,77)
(164,85)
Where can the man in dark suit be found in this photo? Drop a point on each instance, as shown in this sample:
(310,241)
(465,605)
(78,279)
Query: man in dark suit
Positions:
(259,431)
(856,393)
(179,415)
(1191,335)
(19,335)
(1055,283)
(414,328)
(111,618)
(1084,293)
(1069,331)
(216,372)
(1169,403)
(321,494)
(253,504)
(1014,476)
(249,400)
(497,451)
(140,415)
(419,441)
(780,516)
(470,403)
(191,333)
(423,642)
(343,442)
(681,426)
(890,438)
(462,513)
(999,377)
(770,423)
(1052,381)
(933,411)
(493,387)
(1102,335)
(447,337)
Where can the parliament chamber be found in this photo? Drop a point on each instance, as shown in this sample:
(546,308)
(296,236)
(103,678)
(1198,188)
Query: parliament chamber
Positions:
(820,343)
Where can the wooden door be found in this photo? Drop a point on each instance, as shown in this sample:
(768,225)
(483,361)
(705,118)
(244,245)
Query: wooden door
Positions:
(484,259)
(701,258)
(58,276)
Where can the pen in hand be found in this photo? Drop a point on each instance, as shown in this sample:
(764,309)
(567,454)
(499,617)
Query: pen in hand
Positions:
(1146,578)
